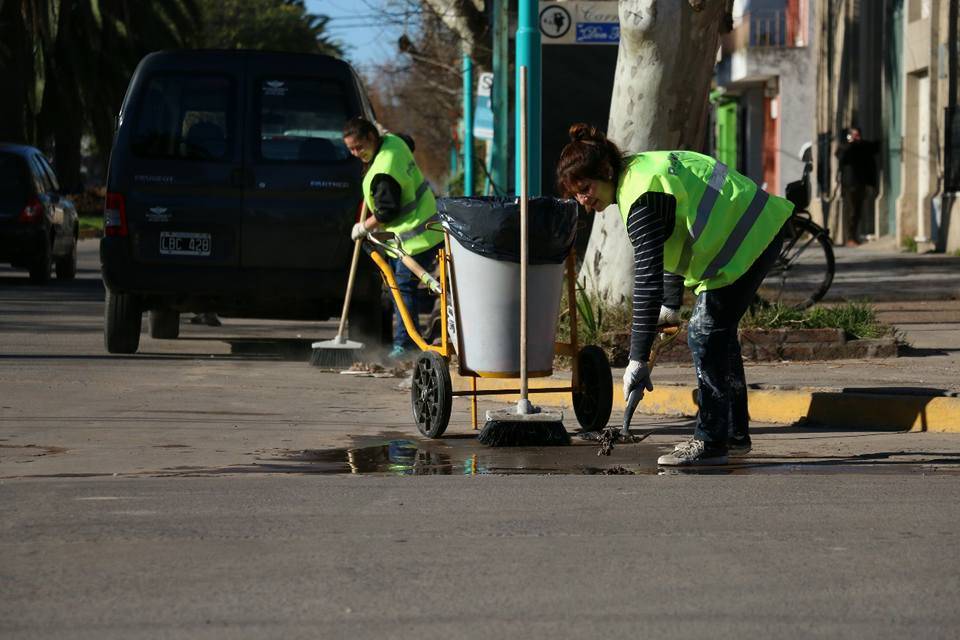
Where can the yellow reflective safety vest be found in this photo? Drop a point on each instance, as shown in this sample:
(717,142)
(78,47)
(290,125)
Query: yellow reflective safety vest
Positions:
(724,220)
(417,204)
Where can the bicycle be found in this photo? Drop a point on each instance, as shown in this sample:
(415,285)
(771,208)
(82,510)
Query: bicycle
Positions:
(804,271)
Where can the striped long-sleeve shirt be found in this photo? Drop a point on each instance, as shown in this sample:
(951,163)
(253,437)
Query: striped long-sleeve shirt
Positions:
(649,223)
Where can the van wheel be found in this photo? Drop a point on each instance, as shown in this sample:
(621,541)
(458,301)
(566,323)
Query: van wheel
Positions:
(121,322)
(164,324)
(67,265)
(40,268)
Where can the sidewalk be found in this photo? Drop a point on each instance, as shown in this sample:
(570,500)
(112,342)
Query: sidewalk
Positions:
(920,390)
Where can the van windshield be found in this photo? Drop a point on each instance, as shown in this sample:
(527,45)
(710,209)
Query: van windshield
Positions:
(186,116)
(301,120)
(14,183)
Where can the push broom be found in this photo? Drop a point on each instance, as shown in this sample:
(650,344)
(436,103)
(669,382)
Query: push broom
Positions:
(525,426)
(341,352)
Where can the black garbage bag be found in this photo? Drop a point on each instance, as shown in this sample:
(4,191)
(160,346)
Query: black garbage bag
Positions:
(490,227)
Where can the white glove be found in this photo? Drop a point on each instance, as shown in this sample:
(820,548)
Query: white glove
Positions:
(637,376)
(358,231)
(668,317)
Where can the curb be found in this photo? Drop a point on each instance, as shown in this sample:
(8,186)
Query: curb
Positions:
(812,407)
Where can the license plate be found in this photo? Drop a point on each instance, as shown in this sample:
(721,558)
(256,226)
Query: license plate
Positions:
(180,243)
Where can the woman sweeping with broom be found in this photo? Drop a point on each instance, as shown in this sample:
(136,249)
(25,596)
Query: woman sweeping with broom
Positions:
(685,213)
(398,196)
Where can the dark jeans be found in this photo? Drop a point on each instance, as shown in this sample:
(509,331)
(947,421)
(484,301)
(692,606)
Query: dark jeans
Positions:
(856,198)
(712,336)
(407,284)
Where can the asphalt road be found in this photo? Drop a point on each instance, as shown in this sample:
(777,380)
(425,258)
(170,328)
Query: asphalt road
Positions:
(205,490)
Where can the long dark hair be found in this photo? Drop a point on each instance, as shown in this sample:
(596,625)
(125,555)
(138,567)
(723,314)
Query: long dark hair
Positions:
(588,156)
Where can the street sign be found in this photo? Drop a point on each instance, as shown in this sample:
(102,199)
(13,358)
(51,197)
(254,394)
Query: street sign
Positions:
(483,111)
(579,22)
(485,84)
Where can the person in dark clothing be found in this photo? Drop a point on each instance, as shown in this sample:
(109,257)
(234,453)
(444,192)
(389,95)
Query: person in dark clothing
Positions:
(399,200)
(858,179)
(688,214)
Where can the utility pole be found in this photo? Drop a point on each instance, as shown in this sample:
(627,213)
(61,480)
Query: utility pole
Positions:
(467,124)
(501,95)
(528,55)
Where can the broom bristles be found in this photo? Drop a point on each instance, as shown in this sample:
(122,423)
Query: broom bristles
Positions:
(507,433)
(338,353)
(334,358)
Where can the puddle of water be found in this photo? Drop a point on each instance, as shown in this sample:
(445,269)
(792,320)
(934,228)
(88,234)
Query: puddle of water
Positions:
(465,456)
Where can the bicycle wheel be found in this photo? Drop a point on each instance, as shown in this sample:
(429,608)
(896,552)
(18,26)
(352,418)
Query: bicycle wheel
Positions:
(804,271)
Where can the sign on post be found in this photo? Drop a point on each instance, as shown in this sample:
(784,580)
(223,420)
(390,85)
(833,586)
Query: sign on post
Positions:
(579,22)
(483,113)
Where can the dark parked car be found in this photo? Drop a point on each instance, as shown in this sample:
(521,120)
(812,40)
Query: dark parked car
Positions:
(38,225)
(230,191)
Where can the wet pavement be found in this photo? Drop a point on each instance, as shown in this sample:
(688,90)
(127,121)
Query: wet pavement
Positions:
(396,455)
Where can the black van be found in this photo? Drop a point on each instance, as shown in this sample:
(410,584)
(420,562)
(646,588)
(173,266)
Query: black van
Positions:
(231,191)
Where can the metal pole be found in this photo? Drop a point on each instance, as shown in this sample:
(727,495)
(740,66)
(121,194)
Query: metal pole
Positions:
(524,404)
(528,55)
(500,96)
(467,125)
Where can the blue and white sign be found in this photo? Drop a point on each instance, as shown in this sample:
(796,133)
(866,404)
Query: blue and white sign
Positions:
(598,32)
(483,110)
(595,22)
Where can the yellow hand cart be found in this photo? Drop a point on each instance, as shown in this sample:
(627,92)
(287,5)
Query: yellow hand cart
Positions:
(432,392)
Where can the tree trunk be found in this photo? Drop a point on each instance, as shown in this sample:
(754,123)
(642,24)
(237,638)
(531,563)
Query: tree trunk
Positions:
(665,64)
(466,19)
(21,83)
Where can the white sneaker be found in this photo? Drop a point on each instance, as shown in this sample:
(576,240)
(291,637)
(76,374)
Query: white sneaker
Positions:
(668,317)
(693,453)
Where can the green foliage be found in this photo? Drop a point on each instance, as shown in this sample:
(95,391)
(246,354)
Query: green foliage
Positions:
(909,245)
(856,319)
(94,223)
(590,315)
(276,25)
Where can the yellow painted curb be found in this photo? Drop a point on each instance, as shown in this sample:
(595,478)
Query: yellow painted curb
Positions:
(838,409)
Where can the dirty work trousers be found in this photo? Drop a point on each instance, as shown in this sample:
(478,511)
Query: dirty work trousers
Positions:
(712,336)
(407,285)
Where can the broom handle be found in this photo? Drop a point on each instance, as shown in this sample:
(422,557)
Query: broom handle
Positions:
(350,278)
(523,235)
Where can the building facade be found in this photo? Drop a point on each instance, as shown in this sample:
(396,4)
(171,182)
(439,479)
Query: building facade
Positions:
(765,91)
(889,67)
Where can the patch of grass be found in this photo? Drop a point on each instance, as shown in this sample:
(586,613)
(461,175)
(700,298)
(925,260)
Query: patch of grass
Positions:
(91,222)
(909,245)
(856,319)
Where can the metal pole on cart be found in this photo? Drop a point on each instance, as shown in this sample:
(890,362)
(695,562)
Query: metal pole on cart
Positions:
(523,405)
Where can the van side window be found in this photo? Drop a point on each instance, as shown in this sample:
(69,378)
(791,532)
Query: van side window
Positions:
(51,176)
(186,116)
(40,176)
(301,120)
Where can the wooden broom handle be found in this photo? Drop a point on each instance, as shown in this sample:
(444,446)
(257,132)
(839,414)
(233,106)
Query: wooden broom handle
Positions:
(350,278)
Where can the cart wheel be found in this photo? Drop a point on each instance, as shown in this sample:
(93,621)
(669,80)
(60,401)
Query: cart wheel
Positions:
(431,394)
(594,400)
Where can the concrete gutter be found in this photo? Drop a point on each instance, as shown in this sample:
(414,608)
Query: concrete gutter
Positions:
(898,409)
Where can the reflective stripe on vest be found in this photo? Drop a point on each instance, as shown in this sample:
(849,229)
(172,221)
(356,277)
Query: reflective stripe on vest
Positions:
(738,235)
(704,207)
(421,228)
(410,207)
